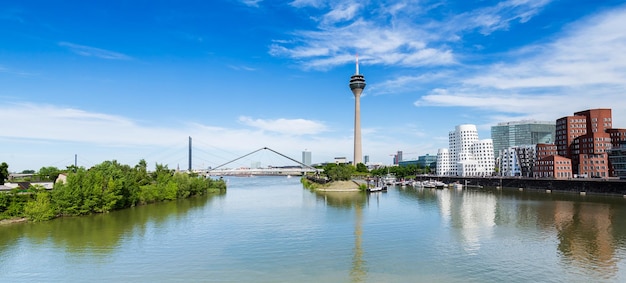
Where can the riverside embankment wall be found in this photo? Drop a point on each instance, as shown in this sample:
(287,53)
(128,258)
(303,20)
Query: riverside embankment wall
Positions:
(592,186)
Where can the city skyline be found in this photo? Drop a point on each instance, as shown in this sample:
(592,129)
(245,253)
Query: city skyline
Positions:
(127,81)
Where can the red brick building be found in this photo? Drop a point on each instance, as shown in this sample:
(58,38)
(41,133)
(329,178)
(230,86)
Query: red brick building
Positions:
(546,149)
(553,166)
(585,139)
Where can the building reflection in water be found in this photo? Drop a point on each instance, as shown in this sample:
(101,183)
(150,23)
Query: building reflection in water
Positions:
(583,228)
(473,215)
(585,236)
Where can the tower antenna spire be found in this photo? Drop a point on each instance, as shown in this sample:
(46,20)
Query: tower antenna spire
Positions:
(357,84)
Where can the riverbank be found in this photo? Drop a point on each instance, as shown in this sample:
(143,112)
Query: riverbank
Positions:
(339,186)
(335,186)
(13,220)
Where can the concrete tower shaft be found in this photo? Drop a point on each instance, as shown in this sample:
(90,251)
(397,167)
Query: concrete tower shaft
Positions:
(357,84)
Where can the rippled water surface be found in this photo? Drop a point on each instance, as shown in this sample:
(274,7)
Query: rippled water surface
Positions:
(270,229)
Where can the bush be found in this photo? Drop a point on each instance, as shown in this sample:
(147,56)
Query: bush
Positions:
(39,209)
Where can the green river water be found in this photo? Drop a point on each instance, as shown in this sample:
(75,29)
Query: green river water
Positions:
(271,229)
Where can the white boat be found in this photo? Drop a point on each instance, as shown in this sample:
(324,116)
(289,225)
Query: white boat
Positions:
(377,189)
(433,184)
(389,179)
(440,185)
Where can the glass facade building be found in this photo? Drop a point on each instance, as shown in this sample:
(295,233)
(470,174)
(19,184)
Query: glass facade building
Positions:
(306,158)
(510,134)
(617,157)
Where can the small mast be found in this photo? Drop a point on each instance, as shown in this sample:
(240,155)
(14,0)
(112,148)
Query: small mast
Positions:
(357,64)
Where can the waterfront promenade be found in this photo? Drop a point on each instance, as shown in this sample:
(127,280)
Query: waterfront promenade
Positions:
(586,186)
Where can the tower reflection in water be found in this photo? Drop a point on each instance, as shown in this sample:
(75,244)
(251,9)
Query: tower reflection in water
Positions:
(356,201)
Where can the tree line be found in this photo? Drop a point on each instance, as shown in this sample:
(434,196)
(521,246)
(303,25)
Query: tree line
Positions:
(105,187)
(344,172)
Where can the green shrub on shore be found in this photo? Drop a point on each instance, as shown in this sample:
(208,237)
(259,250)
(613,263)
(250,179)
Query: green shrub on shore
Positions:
(39,209)
(105,187)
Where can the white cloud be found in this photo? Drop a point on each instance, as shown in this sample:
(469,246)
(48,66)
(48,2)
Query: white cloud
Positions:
(105,137)
(251,3)
(307,3)
(583,68)
(397,33)
(89,51)
(343,12)
(242,68)
(285,126)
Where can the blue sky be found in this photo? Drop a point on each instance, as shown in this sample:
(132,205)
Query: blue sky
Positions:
(131,80)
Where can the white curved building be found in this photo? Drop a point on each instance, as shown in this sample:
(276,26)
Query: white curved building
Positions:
(443,161)
(467,155)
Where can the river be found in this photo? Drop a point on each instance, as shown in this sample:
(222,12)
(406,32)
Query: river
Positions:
(270,229)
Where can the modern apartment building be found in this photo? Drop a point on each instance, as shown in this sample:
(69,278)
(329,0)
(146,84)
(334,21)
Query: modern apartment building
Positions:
(528,132)
(517,161)
(553,166)
(397,158)
(466,155)
(585,138)
(617,158)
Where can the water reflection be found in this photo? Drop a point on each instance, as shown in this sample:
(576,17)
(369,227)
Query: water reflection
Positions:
(356,200)
(584,227)
(99,235)
(586,237)
(472,213)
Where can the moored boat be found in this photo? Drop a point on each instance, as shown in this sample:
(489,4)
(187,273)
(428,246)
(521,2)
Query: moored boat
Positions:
(377,189)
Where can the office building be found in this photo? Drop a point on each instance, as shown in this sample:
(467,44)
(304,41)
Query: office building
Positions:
(530,132)
(306,158)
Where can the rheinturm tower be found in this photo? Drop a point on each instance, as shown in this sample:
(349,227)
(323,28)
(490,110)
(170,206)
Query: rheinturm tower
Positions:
(357,84)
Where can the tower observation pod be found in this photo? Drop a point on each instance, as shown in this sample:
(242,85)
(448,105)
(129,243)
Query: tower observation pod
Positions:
(357,84)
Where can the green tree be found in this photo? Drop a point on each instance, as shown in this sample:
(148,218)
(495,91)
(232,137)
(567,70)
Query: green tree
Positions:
(49,173)
(39,209)
(4,172)
(338,172)
(361,168)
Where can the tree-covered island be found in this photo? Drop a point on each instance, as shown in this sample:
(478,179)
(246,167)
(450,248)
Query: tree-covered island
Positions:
(102,188)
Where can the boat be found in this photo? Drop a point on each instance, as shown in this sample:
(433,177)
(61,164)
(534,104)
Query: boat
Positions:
(433,184)
(389,179)
(429,184)
(377,189)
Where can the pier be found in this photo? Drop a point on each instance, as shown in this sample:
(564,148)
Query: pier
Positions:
(582,186)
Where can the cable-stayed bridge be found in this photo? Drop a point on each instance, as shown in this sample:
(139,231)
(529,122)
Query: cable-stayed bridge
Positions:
(222,170)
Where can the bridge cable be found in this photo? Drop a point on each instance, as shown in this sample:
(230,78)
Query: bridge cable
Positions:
(285,156)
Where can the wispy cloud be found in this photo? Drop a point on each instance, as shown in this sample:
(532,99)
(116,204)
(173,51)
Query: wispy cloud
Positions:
(308,3)
(111,134)
(285,126)
(344,11)
(241,68)
(13,72)
(89,51)
(398,33)
(251,3)
(583,68)
(498,17)
(12,14)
